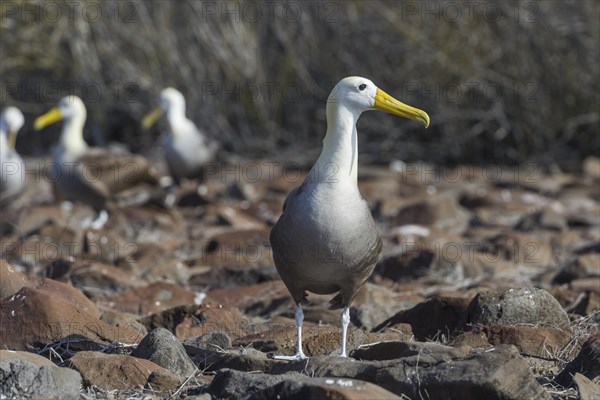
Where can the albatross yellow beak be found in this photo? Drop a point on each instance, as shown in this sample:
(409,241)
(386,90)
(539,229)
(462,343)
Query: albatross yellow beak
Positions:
(387,103)
(151,118)
(49,118)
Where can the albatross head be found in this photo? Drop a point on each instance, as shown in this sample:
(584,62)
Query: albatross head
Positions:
(347,101)
(172,102)
(69,108)
(11,121)
(171,99)
(360,94)
(72,110)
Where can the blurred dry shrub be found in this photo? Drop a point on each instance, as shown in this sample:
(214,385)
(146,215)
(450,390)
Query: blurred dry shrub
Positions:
(504,82)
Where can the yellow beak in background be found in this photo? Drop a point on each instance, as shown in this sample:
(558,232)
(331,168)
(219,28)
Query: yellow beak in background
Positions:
(49,118)
(387,103)
(151,118)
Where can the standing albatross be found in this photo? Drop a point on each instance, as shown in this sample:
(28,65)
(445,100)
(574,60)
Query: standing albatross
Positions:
(87,174)
(186,148)
(326,240)
(13,172)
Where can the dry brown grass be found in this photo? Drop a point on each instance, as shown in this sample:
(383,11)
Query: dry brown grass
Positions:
(581,329)
(503,81)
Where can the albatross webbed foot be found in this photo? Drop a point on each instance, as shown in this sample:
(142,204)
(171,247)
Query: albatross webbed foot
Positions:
(299,356)
(99,222)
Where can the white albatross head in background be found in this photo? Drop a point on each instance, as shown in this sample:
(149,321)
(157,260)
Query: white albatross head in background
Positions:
(12,178)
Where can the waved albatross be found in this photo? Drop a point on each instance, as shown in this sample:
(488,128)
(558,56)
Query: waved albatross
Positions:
(326,240)
(12,167)
(186,148)
(91,175)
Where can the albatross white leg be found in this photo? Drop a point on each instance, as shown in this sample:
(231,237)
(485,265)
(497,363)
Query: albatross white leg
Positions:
(171,198)
(99,222)
(299,353)
(345,322)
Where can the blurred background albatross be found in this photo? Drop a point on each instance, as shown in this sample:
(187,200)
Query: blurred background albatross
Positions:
(505,82)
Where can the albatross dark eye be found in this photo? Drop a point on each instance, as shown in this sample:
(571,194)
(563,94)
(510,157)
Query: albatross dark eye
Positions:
(362,87)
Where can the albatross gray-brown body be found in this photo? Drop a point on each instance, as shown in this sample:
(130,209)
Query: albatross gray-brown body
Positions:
(97,175)
(325,242)
(187,149)
(90,175)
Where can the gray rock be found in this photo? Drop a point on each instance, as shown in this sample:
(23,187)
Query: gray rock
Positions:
(253,360)
(323,366)
(324,388)
(162,381)
(412,354)
(428,352)
(23,379)
(214,340)
(369,315)
(443,315)
(420,372)
(529,306)
(497,374)
(232,384)
(162,348)
(252,352)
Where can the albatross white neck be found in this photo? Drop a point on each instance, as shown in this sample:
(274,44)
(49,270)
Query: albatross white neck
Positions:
(71,139)
(3,141)
(338,161)
(178,122)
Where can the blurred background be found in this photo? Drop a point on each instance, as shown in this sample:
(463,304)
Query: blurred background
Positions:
(503,82)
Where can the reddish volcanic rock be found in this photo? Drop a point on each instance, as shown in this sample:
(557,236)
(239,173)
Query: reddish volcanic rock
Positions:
(189,321)
(153,298)
(114,371)
(11,280)
(252,299)
(443,317)
(547,343)
(34,317)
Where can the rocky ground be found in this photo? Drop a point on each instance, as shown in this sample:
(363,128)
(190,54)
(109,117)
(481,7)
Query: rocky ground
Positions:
(488,288)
